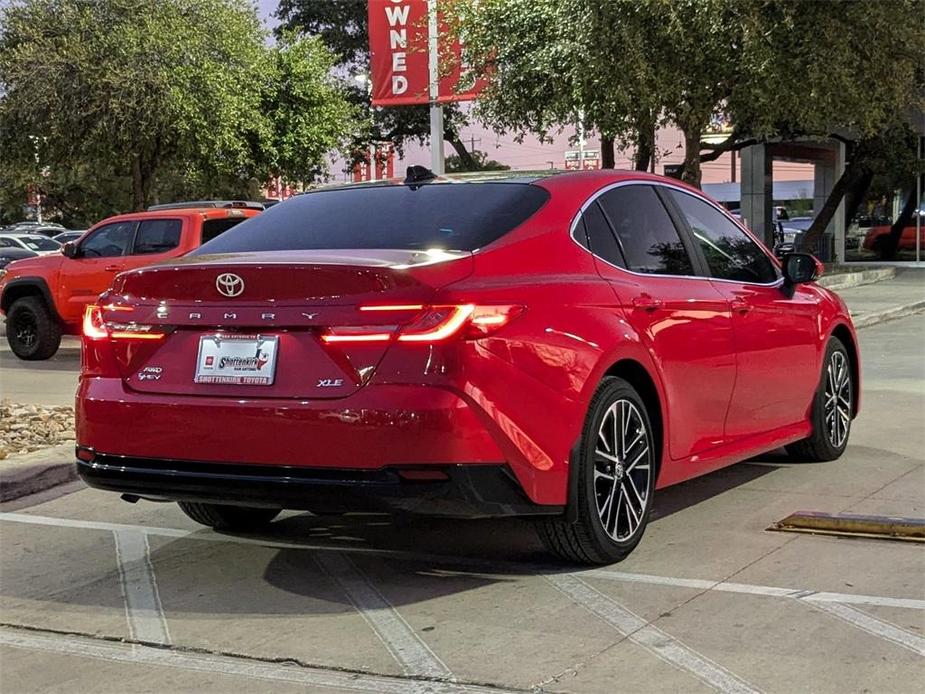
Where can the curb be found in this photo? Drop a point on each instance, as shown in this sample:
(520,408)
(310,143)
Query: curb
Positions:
(847,280)
(37,471)
(865,320)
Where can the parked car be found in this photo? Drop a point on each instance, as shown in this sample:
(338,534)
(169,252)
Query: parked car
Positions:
(9,253)
(32,227)
(38,243)
(69,235)
(45,297)
(877,238)
(557,347)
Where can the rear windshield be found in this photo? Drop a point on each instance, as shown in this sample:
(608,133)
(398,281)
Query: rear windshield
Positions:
(449,216)
(39,243)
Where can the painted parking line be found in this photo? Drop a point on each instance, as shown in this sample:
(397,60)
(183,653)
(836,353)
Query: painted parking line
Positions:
(408,649)
(653,639)
(489,567)
(311,677)
(766,591)
(874,626)
(143,607)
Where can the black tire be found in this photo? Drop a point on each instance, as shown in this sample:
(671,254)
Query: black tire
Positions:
(229,517)
(587,540)
(822,446)
(31,331)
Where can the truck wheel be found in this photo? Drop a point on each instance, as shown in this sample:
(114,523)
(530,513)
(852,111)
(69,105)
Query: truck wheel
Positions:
(31,331)
(223,517)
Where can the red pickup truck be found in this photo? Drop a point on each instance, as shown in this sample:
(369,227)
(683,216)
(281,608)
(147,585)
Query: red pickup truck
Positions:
(45,297)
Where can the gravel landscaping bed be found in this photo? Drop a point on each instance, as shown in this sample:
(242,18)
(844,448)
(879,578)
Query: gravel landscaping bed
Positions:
(26,428)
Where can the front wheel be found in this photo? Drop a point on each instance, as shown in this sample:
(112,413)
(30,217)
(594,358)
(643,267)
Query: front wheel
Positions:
(833,409)
(616,481)
(223,517)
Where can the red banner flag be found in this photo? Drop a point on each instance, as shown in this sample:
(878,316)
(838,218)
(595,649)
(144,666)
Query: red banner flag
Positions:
(400,57)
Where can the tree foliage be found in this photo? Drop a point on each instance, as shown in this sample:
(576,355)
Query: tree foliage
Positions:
(482,163)
(343,25)
(154,99)
(773,68)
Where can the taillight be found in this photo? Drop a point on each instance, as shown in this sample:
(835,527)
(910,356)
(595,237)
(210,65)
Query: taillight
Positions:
(428,324)
(95,328)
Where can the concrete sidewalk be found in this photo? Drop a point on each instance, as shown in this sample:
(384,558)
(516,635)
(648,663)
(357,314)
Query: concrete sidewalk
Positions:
(871,303)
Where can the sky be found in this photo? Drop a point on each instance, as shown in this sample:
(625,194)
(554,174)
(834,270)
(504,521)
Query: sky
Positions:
(533,154)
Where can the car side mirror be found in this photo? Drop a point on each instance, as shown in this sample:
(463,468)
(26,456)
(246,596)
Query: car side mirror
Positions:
(800,268)
(70,250)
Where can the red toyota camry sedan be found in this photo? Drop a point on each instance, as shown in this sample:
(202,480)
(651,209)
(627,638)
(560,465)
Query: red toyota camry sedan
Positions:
(552,346)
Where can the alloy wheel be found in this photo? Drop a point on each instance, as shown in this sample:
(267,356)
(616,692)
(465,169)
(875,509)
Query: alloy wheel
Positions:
(26,329)
(837,407)
(622,470)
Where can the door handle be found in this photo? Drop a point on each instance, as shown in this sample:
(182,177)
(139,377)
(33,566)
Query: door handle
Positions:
(111,268)
(740,305)
(647,303)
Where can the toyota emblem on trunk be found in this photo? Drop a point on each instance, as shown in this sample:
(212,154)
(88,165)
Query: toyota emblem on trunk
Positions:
(229,284)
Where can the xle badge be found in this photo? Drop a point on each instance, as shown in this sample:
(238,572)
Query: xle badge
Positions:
(330,382)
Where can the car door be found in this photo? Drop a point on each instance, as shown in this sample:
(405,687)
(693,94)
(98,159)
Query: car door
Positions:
(683,321)
(155,239)
(100,256)
(776,329)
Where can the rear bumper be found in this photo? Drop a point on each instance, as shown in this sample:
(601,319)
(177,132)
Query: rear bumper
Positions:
(377,429)
(463,491)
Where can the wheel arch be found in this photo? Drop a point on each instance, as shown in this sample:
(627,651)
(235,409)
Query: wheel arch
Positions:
(634,373)
(848,339)
(28,286)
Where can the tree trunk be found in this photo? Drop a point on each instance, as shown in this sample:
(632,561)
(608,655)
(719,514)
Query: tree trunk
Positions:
(645,150)
(855,196)
(691,172)
(607,155)
(142,182)
(848,180)
(466,160)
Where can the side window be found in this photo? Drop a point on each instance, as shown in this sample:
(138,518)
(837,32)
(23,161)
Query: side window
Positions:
(648,237)
(157,236)
(731,254)
(8,243)
(108,241)
(603,243)
(213,227)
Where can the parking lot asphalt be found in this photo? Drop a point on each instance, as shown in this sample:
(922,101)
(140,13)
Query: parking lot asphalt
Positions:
(97,595)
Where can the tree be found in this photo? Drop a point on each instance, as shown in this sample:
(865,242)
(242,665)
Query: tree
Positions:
(343,25)
(168,96)
(482,163)
(774,69)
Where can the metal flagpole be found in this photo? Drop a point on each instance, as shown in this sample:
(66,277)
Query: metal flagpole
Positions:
(436,110)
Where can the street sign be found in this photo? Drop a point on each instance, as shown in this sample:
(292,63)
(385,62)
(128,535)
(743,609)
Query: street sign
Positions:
(587,160)
(400,57)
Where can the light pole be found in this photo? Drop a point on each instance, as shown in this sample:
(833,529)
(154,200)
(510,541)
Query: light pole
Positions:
(38,196)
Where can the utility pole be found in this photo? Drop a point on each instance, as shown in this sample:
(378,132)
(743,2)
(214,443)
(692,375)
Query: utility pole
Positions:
(437,164)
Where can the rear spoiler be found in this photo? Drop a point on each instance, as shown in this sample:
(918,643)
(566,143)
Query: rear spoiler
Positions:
(237,204)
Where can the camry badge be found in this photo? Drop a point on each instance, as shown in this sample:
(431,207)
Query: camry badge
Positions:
(229,284)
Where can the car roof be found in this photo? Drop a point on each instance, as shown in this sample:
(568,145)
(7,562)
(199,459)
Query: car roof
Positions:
(173,213)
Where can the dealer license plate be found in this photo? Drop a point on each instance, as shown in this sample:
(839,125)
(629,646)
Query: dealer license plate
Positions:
(247,360)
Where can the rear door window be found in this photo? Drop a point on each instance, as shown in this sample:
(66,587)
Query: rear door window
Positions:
(447,216)
(600,236)
(731,254)
(157,236)
(648,237)
(108,241)
(212,228)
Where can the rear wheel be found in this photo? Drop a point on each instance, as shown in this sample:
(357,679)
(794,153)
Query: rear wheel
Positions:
(229,517)
(616,481)
(833,408)
(31,331)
